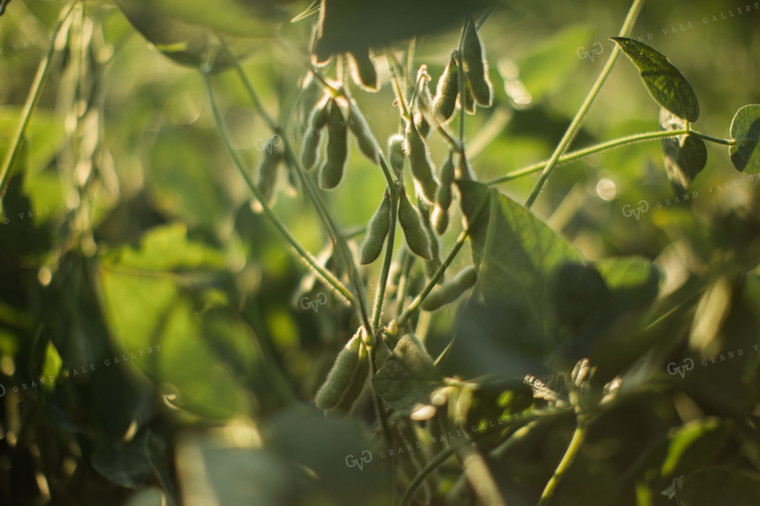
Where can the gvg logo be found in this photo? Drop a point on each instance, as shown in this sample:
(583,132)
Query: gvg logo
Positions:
(590,54)
(636,212)
(686,366)
(364,458)
(309,303)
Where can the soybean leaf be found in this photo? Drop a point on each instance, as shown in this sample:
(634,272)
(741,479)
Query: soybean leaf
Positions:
(124,463)
(508,332)
(718,486)
(745,130)
(684,156)
(351,26)
(407,377)
(665,83)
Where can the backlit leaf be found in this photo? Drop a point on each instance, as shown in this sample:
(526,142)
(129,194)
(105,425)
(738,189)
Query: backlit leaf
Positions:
(745,130)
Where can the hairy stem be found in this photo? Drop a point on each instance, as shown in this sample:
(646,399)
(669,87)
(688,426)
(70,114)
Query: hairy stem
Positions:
(341,246)
(35,90)
(304,255)
(575,125)
(564,464)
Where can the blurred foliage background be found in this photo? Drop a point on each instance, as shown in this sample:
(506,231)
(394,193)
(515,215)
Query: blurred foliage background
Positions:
(180,349)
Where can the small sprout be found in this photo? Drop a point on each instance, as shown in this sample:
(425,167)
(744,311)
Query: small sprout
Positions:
(414,231)
(377,231)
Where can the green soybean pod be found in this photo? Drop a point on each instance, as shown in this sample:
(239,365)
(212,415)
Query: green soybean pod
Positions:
(360,129)
(414,231)
(431,266)
(317,120)
(331,171)
(476,66)
(363,70)
(423,127)
(440,218)
(468,102)
(451,290)
(419,161)
(446,91)
(463,170)
(340,375)
(376,232)
(396,153)
(447,175)
(356,383)
(267,170)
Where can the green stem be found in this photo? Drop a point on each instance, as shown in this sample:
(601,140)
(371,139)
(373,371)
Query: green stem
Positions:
(605,146)
(449,258)
(304,255)
(341,246)
(383,281)
(567,459)
(14,149)
(422,475)
(575,125)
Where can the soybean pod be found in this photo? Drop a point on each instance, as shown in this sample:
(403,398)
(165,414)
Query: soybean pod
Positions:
(377,231)
(340,375)
(451,290)
(414,231)
(331,172)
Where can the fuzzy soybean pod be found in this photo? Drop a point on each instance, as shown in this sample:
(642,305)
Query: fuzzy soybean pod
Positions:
(355,384)
(267,171)
(331,171)
(443,196)
(423,127)
(361,131)
(340,375)
(476,66)
(446,91)
(468,102)
(419,161)
(414,231)
(363,71)
(396,153)
(451,290)
(317,120)
(377,231)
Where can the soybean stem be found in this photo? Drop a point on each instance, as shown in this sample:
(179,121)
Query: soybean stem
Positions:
(360,302)
(572,130)
(564,464)
(449,258)
(304,255)
(605,146)
(35,90)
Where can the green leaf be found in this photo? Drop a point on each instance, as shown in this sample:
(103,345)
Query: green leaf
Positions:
(745,130)
(718,486)
(684,156)
(351,26)
(517,250)
(408,377)
(124,463)
(694,444)
(667,86)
